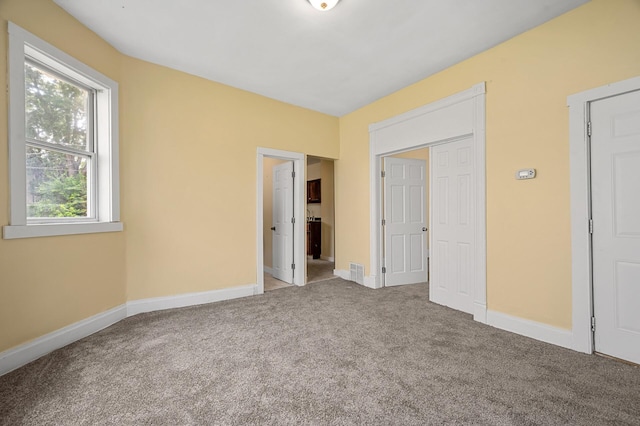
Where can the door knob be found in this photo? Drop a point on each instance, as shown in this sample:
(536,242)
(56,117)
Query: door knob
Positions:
(424,229)
(273,228)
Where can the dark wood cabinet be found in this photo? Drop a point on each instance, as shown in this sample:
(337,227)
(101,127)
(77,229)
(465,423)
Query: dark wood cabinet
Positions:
(314,238)
(313,191)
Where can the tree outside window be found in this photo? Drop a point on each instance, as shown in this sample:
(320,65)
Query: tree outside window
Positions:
(58,147)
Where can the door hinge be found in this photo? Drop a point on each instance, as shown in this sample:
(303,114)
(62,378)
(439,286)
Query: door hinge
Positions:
(593,323)
(293,220)
(383,173)
(384,270)
(293,266)
(293,174)
(591,226)
(588,128)
(384,222)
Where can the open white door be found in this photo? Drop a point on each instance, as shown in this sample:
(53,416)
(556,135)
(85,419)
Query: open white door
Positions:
(615,186)
(453,222)
(282,222)
(405,241)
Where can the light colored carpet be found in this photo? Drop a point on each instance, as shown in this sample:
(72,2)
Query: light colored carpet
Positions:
(328,353)
(319,270)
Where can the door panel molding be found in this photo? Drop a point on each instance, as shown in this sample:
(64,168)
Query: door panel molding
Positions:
(282,241)
(581,278)
(406,217)
(458,116)
(453,185)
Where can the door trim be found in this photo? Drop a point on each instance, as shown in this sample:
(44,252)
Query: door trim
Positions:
(580,171)
(299,255)
(457,116)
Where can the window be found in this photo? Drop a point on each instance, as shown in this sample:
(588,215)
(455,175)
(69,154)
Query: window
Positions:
(63,143)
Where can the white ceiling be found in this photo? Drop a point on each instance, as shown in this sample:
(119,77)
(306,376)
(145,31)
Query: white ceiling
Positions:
(333,62)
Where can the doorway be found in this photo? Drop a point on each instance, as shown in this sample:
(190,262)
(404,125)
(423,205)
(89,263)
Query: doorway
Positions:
(459,117)
(615,209)
(450,214)
(295,242)
(605,219)
(320,235)
(612,139)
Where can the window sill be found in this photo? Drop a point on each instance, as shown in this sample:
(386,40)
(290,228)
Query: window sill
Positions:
(51,230)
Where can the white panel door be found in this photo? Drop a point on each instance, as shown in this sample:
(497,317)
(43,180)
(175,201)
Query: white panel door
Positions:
(282,226)
(615,186)
(405,247)
(452,265)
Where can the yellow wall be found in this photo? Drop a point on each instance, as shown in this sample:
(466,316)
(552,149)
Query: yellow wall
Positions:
(188,172)
(528,80)
(267,211)
(48,283)
(188,149)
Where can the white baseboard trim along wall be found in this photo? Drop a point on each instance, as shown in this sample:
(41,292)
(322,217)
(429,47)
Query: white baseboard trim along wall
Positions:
(21,355)
(532,329)
(345,275)
(524,327)
(188,299)
(24,354)
(369,282)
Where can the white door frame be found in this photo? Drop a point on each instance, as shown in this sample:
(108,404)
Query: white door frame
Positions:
(458,116)
(581,272)
(299,255)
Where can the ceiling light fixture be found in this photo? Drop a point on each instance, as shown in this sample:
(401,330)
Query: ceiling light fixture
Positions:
(323,5)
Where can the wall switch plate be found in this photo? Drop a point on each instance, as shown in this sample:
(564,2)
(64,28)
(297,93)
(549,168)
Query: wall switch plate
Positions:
(526,174)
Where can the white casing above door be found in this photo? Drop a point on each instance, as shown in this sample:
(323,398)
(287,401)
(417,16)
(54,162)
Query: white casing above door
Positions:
(615,191)
(453,222)
(405,246)
(282,215)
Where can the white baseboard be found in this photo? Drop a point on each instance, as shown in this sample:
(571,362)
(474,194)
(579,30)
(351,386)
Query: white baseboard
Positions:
(345,275)
(327,258)
(480,313)
(532,329)
(524,327)
(24,354)
(268,270)
(369,281)
(189,299)
(30,351)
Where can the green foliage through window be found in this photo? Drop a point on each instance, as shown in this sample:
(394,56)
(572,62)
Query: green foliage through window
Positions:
(56,115)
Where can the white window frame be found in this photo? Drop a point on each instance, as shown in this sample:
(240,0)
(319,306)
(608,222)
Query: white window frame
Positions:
(23,45)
